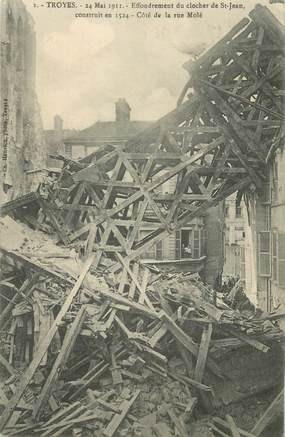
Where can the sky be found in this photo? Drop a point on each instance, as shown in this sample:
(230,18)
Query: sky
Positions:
(85,65)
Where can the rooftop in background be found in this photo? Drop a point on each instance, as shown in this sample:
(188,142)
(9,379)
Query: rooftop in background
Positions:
(106,132)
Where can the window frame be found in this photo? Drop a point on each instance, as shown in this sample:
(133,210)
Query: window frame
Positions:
(262,254)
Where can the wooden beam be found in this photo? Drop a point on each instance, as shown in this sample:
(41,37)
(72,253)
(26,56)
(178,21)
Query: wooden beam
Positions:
(110,430)
(43,347)
(233,427)
(203,352)
(275,409)
(61,359)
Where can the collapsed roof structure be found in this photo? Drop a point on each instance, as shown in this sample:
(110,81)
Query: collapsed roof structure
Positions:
(216,142)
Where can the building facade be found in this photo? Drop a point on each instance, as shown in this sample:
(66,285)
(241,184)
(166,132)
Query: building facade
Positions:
(101,133)
(22,144)
(235,217)
(265,239)
(55,141)
(197,247)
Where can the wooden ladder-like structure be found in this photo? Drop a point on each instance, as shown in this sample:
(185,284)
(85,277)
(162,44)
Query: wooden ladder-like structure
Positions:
(216,142)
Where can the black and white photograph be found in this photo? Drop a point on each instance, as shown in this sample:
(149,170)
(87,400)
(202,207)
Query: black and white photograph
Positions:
(142,218)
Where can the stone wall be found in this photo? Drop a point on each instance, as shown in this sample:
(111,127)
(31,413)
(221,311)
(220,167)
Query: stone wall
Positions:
(22,144)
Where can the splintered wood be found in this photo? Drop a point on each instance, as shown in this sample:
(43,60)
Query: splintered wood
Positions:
(97,341)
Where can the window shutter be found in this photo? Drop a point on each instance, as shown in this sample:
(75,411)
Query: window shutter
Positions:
(68,150)
(274,256)
(264,243)
(203,233)
(196,252)
(159,250)
(178,245)
(242,262)
(281,258)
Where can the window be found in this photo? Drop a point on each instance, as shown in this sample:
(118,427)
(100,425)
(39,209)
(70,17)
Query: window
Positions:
(275,178)
(190,243)
(274,257)
(281,258)
(239,232)
(203,242)
(227,211)
(242,262)
(277,256)
(238,211)
(68,150)
(187,249)
(178,245)
(154,251)
(264,249)
(196,252)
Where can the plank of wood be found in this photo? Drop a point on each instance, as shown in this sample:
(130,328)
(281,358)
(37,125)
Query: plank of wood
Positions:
(100,370)
(146,275)
(186,380)
(25,288)
(140,287)
(27,376)
(34,265)
(5,363)
(179,424)
(133,285)
(218,431)
(275,408)
(136,307)
(63,412)
(178,333)
(90,241)
(186,416)
(116,371)
(187,341)
(68,343)
(203,352)
(233,427)
(225,424)
(249,340)
(112,427)
(161,429)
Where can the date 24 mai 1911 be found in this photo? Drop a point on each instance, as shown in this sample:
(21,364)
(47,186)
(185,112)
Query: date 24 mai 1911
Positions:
(102,5)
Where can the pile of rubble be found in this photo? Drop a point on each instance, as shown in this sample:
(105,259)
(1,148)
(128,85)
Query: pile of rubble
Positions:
(82,358)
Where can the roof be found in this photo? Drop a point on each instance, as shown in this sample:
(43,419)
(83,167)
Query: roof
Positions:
(108,131)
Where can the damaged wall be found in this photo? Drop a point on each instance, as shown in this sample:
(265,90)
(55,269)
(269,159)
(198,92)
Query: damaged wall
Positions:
(265,239)
(21,134)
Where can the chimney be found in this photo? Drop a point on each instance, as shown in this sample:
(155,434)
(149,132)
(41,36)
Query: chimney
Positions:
(58,128)
(58,123)
(123,110)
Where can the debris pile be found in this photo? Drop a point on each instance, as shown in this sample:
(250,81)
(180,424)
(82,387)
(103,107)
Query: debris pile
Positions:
(97,343)
(82,358)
